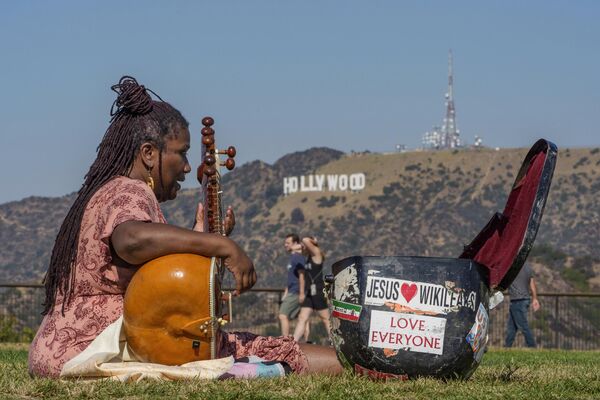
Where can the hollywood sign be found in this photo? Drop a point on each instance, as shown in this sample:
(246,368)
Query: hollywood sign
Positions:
(320,183)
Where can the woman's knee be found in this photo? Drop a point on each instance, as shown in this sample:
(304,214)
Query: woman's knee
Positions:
(304,315)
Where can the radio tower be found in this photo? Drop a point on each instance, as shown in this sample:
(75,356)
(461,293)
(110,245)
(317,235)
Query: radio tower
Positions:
(450,134)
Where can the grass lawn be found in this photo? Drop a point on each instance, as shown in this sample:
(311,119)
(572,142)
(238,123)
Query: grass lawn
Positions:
(504,374)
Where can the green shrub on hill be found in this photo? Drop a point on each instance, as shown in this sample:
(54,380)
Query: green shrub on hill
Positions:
(576,278)
(11,332)
(297,216)
(547,254)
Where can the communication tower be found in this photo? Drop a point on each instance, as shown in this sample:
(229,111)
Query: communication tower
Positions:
(448,136)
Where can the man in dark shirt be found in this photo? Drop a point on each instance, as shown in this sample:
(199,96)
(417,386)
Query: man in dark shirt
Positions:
(519,306)
(294,292)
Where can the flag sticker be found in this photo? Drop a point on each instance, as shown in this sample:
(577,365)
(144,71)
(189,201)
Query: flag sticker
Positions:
(347,311)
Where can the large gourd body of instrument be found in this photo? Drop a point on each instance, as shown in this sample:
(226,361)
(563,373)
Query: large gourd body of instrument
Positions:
(173,307)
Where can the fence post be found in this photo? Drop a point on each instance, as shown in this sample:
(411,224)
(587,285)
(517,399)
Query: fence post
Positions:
(556,317)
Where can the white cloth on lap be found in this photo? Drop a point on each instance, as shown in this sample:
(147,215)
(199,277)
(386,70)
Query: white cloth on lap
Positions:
(107,357)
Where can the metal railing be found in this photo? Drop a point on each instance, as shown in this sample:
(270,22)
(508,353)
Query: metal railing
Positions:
(564,321)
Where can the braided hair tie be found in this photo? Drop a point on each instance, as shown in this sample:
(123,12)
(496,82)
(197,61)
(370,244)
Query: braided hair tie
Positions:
(132,98)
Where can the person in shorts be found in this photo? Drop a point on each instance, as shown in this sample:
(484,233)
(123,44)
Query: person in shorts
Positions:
(294,291)
(314,298)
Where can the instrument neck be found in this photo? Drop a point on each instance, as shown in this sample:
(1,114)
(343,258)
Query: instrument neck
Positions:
(214,204)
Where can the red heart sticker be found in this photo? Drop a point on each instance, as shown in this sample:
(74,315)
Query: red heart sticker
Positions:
(408,291)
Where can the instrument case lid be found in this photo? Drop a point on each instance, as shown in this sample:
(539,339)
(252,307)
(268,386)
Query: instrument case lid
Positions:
(504,243)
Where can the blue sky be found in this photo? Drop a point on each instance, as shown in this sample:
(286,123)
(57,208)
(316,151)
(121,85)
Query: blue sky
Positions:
(282,76)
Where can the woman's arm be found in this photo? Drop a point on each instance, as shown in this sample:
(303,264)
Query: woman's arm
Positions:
(301,284)
(312,247)
(137,242)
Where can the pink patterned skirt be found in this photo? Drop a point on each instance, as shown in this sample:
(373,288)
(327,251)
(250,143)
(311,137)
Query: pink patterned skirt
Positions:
(270,348)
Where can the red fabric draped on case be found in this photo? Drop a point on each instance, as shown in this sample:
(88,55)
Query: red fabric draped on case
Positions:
(505,241)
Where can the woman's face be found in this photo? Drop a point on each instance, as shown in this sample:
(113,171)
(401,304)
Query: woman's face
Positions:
(174,165)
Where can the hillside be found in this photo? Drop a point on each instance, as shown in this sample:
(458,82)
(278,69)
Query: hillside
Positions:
(415,203)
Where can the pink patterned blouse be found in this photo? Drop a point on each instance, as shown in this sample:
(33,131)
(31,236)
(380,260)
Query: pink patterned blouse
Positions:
(100,284)
(97,299)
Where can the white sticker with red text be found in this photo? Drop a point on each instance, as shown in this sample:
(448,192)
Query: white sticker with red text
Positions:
(410,332)
(412,296)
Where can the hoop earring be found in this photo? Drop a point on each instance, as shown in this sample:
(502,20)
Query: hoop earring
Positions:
(150,180)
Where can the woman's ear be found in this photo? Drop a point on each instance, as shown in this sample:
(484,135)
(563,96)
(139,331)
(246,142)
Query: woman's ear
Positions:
(148,154)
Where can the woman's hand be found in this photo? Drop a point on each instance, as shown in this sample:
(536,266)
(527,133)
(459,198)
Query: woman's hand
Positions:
(310,240)
(229,221)
(297,248)
(240,265)
(228,225)
(312,246)
(236,261)
(199,225)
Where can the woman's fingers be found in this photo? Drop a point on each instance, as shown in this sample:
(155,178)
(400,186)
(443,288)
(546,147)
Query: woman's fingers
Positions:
(228,224)
(246,281)
(229,221)
(241,267)
(199,225)
(238,285)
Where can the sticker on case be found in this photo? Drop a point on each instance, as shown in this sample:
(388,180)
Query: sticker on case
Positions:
(408,332)
(360,370)
(477,336)
(417,297)
(347,311)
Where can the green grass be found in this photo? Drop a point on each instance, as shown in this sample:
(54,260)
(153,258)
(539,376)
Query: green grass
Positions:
(504,374)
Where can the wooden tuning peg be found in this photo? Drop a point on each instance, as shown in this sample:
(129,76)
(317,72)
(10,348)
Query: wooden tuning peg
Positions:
(208,121)
(208,140)
(210,171)
(231,152)
(210,160)
(229,164)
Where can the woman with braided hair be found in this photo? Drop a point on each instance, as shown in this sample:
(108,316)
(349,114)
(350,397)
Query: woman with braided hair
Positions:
(115,225)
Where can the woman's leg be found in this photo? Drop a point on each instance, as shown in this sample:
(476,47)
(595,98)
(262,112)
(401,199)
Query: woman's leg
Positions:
(324,315)
(302,321)
(321,359)
(307,330)
(285,325)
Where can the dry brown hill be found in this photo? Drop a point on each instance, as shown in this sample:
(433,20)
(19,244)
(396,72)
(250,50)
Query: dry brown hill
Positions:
(415,203)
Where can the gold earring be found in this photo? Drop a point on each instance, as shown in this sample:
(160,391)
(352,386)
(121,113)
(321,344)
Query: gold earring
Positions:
(150,181)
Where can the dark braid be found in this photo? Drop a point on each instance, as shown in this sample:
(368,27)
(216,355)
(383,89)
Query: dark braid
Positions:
(136,119)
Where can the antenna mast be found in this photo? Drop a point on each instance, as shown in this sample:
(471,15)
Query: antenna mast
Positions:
(450,133)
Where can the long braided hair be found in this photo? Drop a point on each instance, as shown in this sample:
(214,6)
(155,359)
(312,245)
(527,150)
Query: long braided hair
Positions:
(135,119)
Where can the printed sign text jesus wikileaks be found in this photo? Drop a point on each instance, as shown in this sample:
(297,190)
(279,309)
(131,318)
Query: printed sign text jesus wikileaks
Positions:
(417,295)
